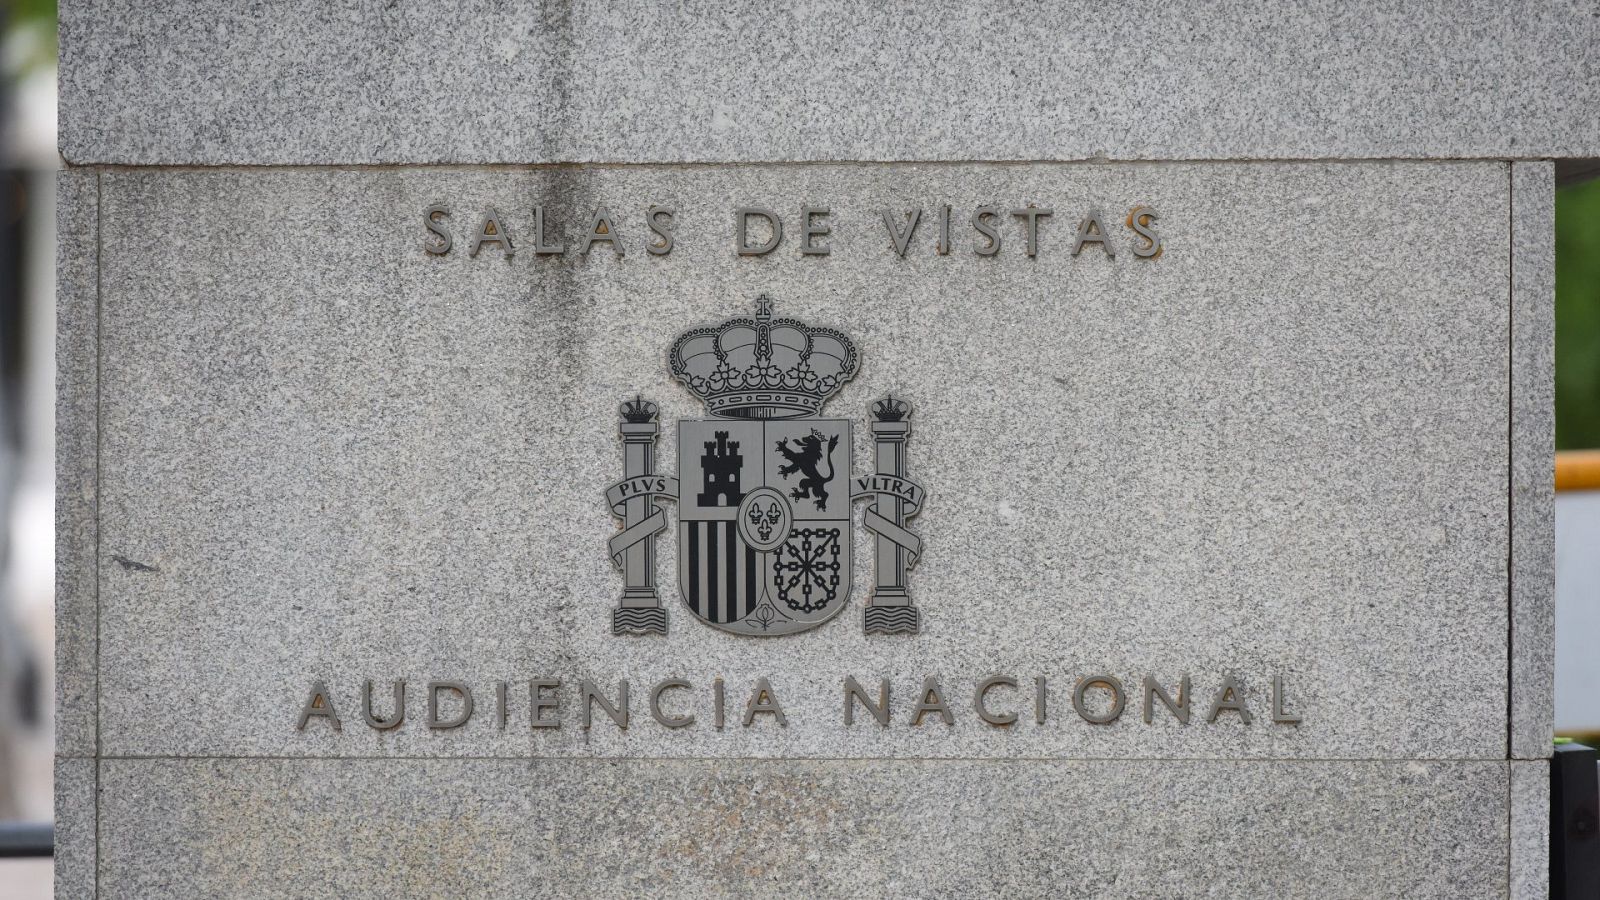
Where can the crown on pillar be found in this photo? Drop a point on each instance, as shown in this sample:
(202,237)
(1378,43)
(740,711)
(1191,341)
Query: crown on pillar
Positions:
(638,411)
(891,410)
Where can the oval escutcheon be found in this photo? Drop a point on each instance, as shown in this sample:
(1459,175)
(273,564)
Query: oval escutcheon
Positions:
(764,519)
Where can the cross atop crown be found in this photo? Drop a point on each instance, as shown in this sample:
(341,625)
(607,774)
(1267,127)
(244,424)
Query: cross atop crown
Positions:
(763,308)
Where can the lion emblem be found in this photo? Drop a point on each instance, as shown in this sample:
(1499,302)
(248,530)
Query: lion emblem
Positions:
(806,457)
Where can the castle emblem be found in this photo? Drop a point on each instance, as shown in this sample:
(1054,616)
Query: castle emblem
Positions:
(765,510)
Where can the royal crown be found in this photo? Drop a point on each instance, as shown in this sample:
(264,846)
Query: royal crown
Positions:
(763,368)
(638,411)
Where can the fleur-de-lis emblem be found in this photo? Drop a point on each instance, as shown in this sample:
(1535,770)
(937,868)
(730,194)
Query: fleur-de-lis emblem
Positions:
(765,520)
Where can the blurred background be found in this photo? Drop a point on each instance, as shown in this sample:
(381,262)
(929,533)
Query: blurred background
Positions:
(1578,461)
(28,162)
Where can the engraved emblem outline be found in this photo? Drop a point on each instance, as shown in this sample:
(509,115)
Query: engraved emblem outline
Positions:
(765,504)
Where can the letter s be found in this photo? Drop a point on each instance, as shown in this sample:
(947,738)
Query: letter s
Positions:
(662,229)
(431,218)
(987,230)
(1142,221)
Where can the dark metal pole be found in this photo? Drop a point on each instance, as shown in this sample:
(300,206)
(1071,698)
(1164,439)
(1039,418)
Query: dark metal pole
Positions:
(1574,824)
(18,839)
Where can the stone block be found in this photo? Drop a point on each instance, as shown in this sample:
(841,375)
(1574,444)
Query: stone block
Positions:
(77,460)
(212,82)
(1530,829)
(1533,437)
(76,839)
(330,455)
(886,828)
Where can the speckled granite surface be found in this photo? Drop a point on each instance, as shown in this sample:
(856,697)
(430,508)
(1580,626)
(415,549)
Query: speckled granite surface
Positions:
(330,455)
(1533,439)
(77,444)
(294,446)
(688,828)
(214,82)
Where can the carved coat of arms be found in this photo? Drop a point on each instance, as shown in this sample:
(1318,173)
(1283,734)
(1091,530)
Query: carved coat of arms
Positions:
(765,488)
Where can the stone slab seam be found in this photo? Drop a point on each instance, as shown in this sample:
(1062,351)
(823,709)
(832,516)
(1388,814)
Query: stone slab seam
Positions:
(99,237)
(898,760)
(1511,457)
(604,165)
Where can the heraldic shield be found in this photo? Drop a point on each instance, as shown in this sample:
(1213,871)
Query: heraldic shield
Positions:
(764,522)
(764,488)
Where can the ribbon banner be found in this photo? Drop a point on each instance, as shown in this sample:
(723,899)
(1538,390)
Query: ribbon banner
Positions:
(631,488)
(909,493)
(646,487)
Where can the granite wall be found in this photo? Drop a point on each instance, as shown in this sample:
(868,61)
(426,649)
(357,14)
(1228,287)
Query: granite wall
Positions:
(1304,450)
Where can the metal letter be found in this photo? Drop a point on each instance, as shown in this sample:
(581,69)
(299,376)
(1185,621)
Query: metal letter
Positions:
(944,231)
(590,694)
(763,700)
(1229,698)
(1153,690)
(808,231)
(1030,225)
(655,705)
(983,711)
(430,218)
(1038,700)
(901,238)
(932,701)
(539,246)
(1117,698)
(987,230)
(377,721)
(1141,220)
(434,687)
(601,228)
(500,705)
(538,703)
(741,218)
(664,230)
(1279,717)
(492,232)
(1092,231)
(319,705)
(853,692)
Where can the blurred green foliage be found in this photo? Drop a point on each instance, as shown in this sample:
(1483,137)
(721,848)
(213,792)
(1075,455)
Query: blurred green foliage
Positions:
(1578,316)
(29,10)
(36,21)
